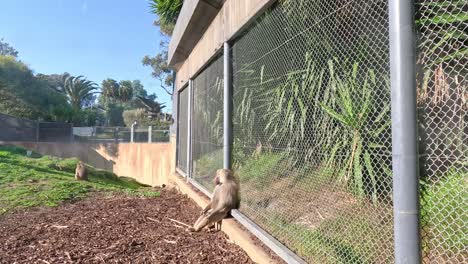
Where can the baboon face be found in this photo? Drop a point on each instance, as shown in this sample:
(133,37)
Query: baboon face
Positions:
(81,166)
(216,179)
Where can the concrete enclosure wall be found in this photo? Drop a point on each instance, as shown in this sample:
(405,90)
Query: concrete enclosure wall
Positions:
(232,17)
(147,163)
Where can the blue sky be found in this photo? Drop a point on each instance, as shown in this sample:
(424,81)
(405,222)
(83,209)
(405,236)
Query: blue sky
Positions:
(96,38)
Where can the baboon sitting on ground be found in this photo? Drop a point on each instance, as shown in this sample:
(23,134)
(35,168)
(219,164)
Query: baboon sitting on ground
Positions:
(81,172)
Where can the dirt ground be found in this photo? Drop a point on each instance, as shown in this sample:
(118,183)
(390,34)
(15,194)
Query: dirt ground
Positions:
(114,229)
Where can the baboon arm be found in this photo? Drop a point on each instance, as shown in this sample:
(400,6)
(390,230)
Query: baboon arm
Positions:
(220,209)
(197,223)
(208,207)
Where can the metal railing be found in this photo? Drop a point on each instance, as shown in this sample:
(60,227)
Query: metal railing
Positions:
(121,134)
(19,129)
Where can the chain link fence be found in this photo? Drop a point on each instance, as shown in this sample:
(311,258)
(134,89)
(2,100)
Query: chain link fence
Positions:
(182,129)
(207,123)
(442,96)
(312,128)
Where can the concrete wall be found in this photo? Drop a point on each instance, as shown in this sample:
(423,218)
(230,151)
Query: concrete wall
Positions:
(195,16)
(232,18)
(150,164)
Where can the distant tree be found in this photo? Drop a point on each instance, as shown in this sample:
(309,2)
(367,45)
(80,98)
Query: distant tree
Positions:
(167,12)
(139,115)
(138,89)
(55,81)
(118,96)
(110,89)
(79,117)
(7,50)
(152,97)
(90,101)
(125,93)
(87,117)
(69,113)
(142,117)
(113,91)
(15,106)
(78,89)
(22,90)
(55,97)
(161,69)
(114,114)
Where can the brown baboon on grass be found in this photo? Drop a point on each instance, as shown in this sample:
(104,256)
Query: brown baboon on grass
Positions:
(225,198)
(81,172)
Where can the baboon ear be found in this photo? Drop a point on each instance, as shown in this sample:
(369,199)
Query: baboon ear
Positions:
(228,172)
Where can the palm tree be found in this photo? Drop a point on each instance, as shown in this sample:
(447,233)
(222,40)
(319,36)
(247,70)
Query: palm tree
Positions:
(78,89)
(110,88)
(167,11)
(125,92)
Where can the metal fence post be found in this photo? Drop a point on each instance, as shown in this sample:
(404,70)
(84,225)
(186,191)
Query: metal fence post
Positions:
(37,131)
(94,135)
(189,129)
(227,138)
(116,135)
(72,135)
(176,120)
(175,108)
(404,132)
(132,133)
(150,132)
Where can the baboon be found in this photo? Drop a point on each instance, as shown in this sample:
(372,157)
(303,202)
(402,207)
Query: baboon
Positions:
(81,172)
(225,198)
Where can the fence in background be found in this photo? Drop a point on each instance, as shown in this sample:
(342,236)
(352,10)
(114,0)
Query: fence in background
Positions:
(19,129)
(121,134)
(312,129)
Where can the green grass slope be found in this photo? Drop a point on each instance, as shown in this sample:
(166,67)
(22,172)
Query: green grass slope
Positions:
(47,181)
